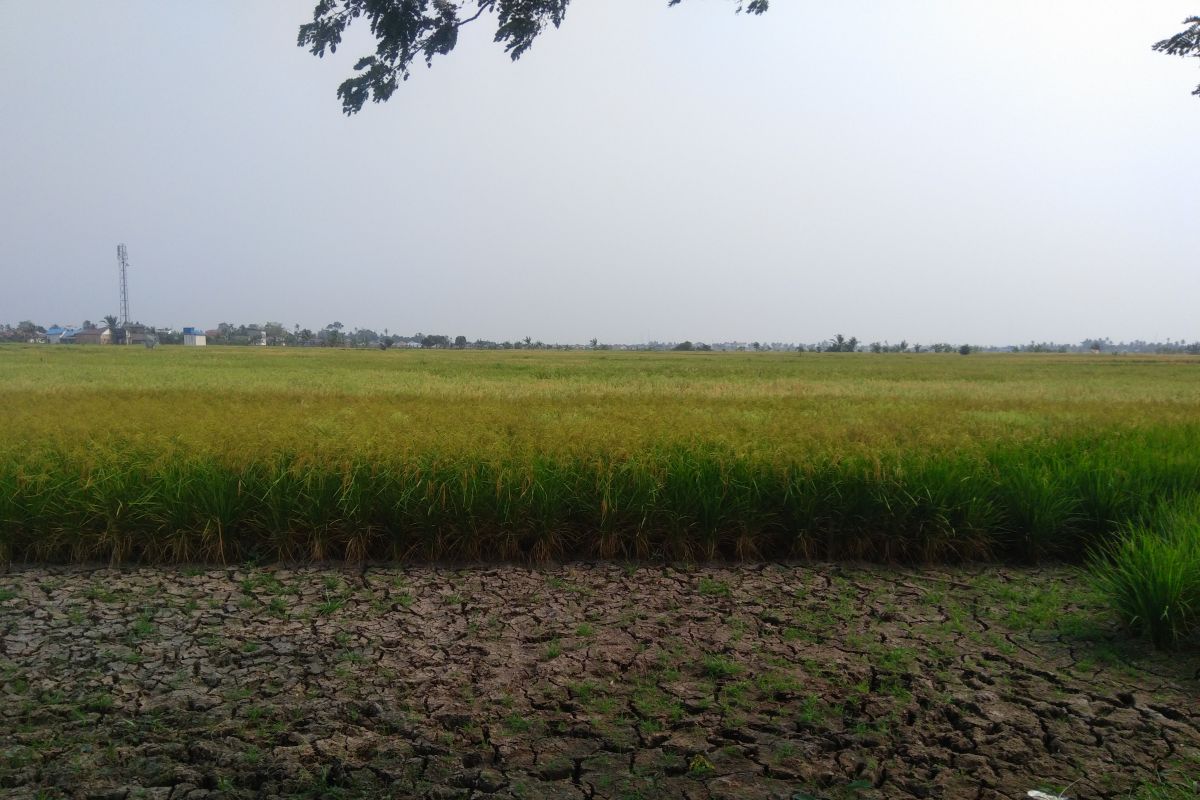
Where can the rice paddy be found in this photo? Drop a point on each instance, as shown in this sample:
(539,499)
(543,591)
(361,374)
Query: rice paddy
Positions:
(601,676)
(227,454)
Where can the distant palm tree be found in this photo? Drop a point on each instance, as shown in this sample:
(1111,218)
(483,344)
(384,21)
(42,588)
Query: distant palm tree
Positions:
(118,334)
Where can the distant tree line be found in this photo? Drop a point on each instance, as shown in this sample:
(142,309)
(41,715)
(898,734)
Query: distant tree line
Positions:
(335,334)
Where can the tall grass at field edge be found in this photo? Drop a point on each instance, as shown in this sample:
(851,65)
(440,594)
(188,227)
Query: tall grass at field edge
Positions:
(1051,499)
(1151,573)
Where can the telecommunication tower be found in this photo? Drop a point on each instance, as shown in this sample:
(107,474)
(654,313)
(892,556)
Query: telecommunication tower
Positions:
(123,262)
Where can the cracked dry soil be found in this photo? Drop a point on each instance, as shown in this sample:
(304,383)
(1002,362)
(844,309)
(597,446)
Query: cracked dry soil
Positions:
(581,681)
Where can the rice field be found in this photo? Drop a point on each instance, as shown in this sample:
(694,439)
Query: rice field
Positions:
(227,454)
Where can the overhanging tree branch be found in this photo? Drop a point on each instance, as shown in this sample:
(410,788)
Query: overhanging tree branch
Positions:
(1185,43)
(406,30)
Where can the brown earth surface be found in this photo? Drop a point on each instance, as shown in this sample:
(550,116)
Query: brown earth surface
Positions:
(580,681)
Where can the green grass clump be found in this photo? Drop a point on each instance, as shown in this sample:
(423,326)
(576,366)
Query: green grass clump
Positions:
(1181,781)
(719,666)
(1151,573)
(1180,790)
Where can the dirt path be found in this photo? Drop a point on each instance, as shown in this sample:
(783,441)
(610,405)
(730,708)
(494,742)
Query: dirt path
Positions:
(586,681)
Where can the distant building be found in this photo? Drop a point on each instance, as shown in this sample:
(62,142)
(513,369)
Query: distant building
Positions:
(55,334)
(194,337)
(131,334)
(89,336)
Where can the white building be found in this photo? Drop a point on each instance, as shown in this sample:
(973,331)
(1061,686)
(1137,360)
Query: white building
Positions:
(194,337)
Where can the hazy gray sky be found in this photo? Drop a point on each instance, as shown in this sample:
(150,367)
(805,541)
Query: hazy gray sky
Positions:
(921,169)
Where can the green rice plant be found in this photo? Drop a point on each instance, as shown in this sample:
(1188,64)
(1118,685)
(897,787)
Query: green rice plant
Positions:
(546,499)
(955,510)
(39,508)
(435,510)
(279,508)
(116,498)
(320,499)
(627,507)
(358,501)
(801,510)
(1151,573)
(1040,510)
(219,500)
(10,513)
(1105,495)
(845,498)
(174,516)
(400,521)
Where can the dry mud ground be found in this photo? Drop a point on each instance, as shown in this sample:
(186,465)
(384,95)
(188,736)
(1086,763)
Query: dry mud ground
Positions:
(584,681)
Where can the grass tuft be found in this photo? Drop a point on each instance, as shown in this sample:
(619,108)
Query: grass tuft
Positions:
(1151,573)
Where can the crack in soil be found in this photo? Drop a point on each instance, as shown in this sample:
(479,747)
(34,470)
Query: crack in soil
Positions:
(586,680)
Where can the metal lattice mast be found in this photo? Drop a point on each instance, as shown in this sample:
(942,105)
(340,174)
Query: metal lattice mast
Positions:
(123,261)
